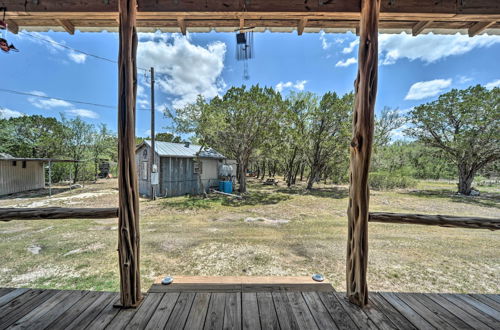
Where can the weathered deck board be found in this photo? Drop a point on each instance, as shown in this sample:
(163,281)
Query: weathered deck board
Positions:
(274,309)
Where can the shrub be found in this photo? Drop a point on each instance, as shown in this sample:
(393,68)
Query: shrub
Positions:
(387,180)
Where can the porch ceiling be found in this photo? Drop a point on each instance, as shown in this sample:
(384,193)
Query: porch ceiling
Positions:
(412,16)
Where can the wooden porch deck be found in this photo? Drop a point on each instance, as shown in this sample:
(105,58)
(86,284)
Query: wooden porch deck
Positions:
(240,305)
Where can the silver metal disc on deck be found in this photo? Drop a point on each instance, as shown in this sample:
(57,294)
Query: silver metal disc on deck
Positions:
(167,280)
(318,277)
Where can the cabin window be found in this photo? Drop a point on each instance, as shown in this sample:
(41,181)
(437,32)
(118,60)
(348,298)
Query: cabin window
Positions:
(14,163)
(198,168)
(24,164)
(144,171)
(145,154)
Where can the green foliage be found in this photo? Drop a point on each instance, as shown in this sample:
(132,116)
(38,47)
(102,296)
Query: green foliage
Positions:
(168,137)
(235,124)
(465,126)
(412,159)
(32,136)
(46,137)
(390,180)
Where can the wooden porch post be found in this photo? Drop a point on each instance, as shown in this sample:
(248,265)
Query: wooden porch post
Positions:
(128,211)
(365,88)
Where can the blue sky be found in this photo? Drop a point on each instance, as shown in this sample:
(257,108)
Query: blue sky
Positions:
(413,70)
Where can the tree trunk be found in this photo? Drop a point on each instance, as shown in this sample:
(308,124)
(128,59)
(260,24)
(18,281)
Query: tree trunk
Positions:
(302,168)
(365,88)
(263,170)
(128,199)
(243,179)
(311,179)
(465,178)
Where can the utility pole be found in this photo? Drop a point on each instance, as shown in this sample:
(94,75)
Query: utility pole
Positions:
(153,169)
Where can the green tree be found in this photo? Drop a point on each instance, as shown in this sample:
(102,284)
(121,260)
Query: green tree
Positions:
(328,133)
(465,126)
(387,122)
(294,133)
(102,146)
(31,136)
(77,142)
(168,137)
(235,124)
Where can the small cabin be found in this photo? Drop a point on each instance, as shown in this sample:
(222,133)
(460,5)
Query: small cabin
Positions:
(179,168)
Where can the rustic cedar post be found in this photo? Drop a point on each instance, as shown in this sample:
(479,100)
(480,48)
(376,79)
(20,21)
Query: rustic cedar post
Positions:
(128,221)
(365,87)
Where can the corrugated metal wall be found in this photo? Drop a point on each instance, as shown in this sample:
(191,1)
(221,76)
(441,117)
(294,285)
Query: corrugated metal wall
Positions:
(177,177)
(16,178)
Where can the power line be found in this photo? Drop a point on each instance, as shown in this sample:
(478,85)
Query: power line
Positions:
(74,49)
(61,99)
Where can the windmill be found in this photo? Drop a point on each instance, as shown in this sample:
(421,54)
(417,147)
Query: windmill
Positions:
(244,48)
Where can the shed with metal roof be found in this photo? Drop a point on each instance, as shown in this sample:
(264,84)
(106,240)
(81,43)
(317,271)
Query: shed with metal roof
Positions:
(183,168)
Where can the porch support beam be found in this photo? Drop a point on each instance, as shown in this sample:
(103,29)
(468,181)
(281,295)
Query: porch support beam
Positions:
(300,27)
(479,27)
(419,27)
(67,25)
(365,87)
(128,210)
(12,26)
(182,25)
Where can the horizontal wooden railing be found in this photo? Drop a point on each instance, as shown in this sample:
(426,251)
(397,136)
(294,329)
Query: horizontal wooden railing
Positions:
(436,220)
(8,214)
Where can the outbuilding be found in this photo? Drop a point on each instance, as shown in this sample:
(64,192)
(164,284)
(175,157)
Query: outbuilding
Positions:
(182,168)
(24,174)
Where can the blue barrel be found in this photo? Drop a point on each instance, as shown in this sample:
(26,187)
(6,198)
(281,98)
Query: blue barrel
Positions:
(228,187)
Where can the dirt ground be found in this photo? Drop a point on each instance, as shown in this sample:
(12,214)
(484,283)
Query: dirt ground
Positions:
(275,231)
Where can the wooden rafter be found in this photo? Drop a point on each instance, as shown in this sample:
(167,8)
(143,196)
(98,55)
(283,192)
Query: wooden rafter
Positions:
(340,6)
(182,25)
(301,25)
(128,198)
(419,27)
(13,26)
(479,27)
(67,25)
(399,15)
(365,88)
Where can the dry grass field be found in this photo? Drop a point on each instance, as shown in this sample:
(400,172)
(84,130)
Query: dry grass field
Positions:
(275,231)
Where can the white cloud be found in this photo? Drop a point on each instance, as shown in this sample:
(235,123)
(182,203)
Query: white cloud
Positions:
(493,84)
(142,103)
(298,85)
(350,48)
(82,113)
(324,42)
(44,103)
(429,48)
(184,70)
(55,47)
(77,57)
(8,113)
(464,79)
(349,61)
(425,89)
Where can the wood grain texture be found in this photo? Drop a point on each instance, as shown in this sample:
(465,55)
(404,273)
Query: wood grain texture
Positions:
(8,214)
(436,220)
(365,88)
(128,220)
(54,309)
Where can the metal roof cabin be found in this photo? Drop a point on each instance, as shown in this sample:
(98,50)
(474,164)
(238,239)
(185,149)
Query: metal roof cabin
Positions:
(178,168)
